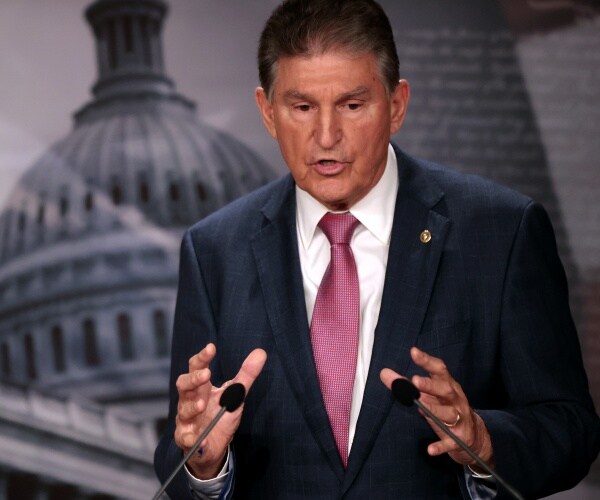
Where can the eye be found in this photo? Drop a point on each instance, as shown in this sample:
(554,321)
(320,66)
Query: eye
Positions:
(354,106)
(302,107)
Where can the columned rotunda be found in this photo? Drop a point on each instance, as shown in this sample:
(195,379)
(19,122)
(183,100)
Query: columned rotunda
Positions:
(89,238)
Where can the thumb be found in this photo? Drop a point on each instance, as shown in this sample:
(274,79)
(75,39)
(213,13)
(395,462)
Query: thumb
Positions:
(251,368)
(387,376)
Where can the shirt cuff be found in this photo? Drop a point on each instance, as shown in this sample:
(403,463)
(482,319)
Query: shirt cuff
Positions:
(479,486)
(209,489)
(479,475)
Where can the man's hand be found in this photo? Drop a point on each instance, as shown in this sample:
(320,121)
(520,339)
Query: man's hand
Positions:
(444,397)
(199,404)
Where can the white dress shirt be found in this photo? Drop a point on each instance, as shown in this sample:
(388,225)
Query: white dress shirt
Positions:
(370,244)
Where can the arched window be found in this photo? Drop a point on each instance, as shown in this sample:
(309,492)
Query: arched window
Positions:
(41,217)
(21,225)
(30,368)
(117,194)
(174,191)
(112,44)
(63,204)
(5,357)
(144,191)
(128,28)
(22,221)
(90,343)
(41,214)
(146,42)
(201,191)
(161,340)
(5,241)
(58,349)
(125,337)
(88,201)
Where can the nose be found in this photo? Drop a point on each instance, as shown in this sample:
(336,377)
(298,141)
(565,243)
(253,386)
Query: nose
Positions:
(328,131)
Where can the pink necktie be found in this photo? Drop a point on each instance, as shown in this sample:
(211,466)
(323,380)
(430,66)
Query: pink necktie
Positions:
(334,327)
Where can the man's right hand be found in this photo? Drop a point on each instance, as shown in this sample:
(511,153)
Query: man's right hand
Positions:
(199,404)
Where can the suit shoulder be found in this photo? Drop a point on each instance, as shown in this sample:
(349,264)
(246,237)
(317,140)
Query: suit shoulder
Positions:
(472,191)
(243,216)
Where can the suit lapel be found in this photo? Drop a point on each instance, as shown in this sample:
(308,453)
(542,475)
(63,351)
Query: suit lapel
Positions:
(410,275)
(276,255)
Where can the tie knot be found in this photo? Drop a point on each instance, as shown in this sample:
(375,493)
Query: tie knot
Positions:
(338,227)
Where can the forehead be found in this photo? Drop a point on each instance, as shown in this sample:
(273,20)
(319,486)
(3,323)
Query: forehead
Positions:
(333,71)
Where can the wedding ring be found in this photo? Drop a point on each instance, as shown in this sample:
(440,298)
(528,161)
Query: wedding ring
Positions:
(453,424)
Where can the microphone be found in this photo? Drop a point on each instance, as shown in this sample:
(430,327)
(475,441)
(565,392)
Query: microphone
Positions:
(407,394)
(231,399)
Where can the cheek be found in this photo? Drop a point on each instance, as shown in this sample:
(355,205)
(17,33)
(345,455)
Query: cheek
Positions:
(374,125)
(293,155)
(368,140)
(292,151)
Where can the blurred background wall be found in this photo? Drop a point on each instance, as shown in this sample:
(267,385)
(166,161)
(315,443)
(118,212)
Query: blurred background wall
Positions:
(122,122)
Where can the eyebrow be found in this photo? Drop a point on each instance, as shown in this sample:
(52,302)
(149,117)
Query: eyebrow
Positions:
(352,94)
(295,94)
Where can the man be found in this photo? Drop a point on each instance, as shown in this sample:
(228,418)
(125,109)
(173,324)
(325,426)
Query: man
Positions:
(453,282)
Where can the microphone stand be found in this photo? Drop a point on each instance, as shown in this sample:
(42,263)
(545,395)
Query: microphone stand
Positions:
(230,400)
(407,394)
(470,452)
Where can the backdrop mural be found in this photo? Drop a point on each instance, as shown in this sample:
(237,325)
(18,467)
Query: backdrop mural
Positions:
(124,121)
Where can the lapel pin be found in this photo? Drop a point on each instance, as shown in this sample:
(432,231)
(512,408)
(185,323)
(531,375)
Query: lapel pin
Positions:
(425,236)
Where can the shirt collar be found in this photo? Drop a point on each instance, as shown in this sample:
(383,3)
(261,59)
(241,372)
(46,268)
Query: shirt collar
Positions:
(375,211)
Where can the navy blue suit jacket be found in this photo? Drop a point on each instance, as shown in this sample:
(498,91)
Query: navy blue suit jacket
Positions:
(487,294)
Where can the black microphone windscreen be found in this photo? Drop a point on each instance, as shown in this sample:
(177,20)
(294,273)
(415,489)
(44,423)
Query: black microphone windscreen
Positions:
(233,396)
(404,391)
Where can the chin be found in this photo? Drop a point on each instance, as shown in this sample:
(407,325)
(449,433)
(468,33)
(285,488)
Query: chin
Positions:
(335,204)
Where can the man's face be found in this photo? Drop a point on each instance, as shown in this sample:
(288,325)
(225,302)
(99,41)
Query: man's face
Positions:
(333,119)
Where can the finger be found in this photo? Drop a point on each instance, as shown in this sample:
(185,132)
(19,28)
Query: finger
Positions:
(189,410)
(443,390)
(388,376)
(440,384)
(185,429)
(202,359)
(449,416)
(434,366)
(187,383)
(185,437)
(251,368)
(441,447)
(447,391)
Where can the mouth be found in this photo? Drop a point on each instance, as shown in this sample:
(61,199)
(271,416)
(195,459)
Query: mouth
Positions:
(329,166)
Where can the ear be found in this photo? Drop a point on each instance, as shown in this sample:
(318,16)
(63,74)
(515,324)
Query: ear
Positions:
(398,105)
(266,111)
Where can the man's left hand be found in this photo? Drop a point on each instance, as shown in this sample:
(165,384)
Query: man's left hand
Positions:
(444,397)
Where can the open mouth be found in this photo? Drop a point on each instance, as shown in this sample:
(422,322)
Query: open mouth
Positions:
(329,166)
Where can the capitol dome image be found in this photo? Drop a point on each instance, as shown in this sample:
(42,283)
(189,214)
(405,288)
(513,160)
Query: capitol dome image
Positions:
(89,238)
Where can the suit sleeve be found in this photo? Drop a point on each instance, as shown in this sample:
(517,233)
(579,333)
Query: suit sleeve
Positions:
(549,434)
(194,326)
